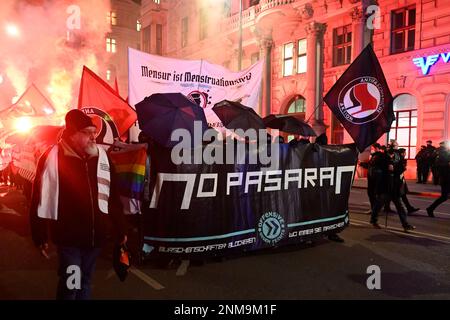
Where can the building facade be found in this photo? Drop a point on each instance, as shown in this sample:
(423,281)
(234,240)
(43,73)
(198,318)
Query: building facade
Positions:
(125,32)
(308,44)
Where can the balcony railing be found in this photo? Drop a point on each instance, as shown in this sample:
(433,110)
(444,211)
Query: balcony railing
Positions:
(232,23)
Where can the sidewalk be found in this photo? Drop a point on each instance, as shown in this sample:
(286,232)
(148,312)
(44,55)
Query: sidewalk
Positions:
(423,190)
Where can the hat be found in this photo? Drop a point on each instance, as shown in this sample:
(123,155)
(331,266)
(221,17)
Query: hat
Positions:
(429,141)
(77,120)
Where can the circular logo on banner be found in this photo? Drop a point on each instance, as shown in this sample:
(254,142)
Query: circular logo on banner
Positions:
(203,99)
(106,128)
(361,100)
(271,227)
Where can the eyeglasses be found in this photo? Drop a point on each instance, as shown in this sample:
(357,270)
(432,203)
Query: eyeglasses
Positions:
(88,132)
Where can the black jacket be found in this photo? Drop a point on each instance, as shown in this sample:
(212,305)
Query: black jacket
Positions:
(80,222)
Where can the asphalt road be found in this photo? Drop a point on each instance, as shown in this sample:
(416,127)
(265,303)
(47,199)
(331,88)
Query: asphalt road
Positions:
(413,266)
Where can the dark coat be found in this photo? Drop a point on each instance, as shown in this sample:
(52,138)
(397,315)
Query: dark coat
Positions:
(80,222)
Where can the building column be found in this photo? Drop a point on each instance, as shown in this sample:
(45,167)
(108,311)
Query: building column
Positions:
(358,29)
(358,26)
(314,75)
(265,45)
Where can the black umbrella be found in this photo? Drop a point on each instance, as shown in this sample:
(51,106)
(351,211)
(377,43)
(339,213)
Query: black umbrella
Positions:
(289,124)
(237,116)
(162,113)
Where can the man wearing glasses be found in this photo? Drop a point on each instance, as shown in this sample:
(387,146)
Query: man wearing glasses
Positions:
(74,194)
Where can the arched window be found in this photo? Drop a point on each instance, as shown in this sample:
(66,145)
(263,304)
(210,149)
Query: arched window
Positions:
(404,127)
(296,108)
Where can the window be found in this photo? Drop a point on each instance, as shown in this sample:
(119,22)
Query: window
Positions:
(110,45)
(404,128)
(254,57)
(138,25)
(146,39)
(203,24)
(227,8)
(301,56)
(108,75)
(337,131)
(184,32)
(297,106)
(342,45)
(403,31)
(111,18)
(157,1)
(159,39)
(288,59)
(297,109)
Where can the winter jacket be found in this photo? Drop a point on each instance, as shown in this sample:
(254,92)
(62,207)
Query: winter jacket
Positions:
(80,222)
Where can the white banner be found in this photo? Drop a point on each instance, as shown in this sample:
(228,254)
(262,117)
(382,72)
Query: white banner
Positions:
(199,80)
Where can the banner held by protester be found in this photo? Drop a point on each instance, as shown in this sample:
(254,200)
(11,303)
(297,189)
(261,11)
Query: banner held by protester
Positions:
(219,208)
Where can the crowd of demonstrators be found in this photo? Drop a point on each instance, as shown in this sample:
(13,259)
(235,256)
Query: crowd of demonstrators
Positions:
(426,162)
(442,164)
(386,183)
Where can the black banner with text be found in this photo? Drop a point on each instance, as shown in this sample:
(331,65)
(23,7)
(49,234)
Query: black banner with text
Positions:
(214,209)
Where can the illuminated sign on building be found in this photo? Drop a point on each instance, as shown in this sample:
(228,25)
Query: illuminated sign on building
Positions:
(425,63)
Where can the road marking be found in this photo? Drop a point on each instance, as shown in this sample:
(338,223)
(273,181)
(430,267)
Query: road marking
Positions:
(414,234)
(110,274)
(148,280)
(182,269)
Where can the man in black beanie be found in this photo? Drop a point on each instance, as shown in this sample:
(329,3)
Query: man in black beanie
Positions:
(74,193)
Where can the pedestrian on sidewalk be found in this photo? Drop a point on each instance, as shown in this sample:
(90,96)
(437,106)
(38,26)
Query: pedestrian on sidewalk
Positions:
(420,158)
(429,157)
(443,164)
(74,194)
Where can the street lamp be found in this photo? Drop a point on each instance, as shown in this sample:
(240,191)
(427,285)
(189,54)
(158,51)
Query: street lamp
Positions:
(12,30)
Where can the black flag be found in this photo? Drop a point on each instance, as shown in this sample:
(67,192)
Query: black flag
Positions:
(361,100)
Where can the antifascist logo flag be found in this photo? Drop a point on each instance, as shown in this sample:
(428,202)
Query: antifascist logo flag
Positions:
(361,100)
(112,115)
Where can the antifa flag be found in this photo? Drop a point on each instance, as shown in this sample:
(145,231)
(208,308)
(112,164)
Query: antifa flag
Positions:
(361,100)
(112,115)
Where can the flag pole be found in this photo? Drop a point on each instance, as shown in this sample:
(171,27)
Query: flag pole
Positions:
(240,37)
(315,109)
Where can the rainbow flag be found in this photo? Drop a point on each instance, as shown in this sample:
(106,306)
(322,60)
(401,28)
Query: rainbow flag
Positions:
(129,165)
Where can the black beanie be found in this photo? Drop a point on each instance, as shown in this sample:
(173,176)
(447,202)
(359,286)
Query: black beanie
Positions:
(77,120)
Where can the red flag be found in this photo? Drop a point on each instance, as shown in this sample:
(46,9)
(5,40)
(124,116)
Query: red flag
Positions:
(32,103)
(112,115)
(361,100)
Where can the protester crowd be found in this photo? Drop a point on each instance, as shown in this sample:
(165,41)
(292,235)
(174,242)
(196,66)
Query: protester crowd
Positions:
(386,180)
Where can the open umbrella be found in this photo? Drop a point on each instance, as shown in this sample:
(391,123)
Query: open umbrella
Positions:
(237,116)
(289,124)
(162,113)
